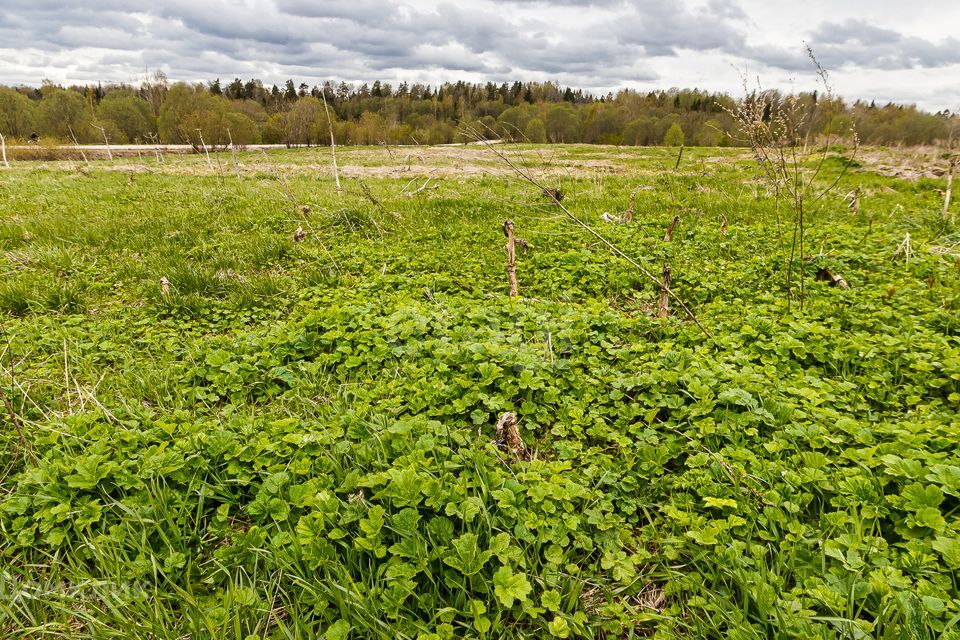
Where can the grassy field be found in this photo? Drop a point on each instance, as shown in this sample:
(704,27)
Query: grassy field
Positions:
(230,433)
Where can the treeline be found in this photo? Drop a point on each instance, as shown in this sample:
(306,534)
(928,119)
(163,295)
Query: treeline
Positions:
(249,112)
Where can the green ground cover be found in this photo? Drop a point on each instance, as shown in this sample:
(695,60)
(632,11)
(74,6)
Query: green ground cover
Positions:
(295,440)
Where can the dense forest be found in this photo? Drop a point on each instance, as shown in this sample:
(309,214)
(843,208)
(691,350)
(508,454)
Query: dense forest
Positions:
(251,112)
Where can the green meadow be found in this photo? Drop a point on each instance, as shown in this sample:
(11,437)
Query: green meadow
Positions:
(239,403)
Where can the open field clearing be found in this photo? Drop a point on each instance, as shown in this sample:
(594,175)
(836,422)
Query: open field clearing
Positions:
(241,404)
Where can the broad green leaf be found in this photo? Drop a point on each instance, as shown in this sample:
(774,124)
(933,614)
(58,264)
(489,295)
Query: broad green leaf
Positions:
(930,517)
(480,622)
(719,503)
(339,630)
(406,522)
(737,397)
(550,600)
(373,523)
(509,586)
(949,548)
(917,496)
(466,556)
(558,627)
(947,477)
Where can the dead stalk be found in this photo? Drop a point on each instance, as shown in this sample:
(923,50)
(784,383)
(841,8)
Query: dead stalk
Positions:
(205,150)
(679,156)
(905,248)
(333,143)
(664,308)
(774,127)
(854,197)
(233,152)
(627,216)
(424,187)
(511,257)
(946,197)
(669,232)
(106,141)
(156,143)
(77,145)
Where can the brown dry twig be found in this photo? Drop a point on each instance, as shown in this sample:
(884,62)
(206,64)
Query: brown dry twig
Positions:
(627,216)
(664,306)
(670,227)
(511,256)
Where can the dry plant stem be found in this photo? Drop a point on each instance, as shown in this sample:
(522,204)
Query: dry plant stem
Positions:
(583,225)
(905,248)
(106,141)
(424,187)
(511,257)
(156,144)
(774,136)
(66,377)
(233,153)
(3,149)
(676,167)
(854,197)
(669,232)
(723,225)
(368,194)
(333,143)
(77,144)
(664,307)
(205,150)
(628,214)
(946,197)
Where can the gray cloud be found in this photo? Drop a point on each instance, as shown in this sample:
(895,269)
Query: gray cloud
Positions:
(361,11)
(855,42)
(595,44)
(661,28)
(727,9)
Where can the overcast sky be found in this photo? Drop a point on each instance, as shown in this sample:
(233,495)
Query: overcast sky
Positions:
(875,49)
